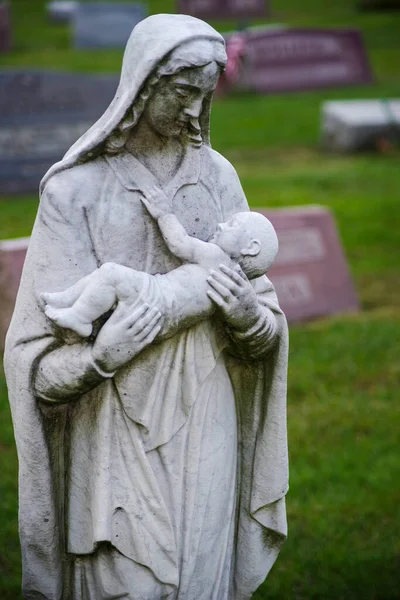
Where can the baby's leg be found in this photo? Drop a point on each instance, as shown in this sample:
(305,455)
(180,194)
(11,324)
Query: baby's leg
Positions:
(111,282)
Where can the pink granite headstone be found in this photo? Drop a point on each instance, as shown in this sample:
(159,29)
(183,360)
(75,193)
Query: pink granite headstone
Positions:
(310,273)
(5,27)
(223,9)
(288,60)
(12,257)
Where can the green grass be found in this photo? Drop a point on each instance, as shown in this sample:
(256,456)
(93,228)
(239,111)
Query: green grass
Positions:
(343,429)
(344,372)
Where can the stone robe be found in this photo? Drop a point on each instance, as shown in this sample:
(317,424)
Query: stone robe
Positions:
(169,478)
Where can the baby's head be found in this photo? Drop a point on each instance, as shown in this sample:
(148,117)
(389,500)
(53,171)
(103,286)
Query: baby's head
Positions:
(250,239)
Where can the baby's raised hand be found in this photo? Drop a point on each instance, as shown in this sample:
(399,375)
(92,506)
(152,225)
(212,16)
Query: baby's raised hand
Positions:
(157,202)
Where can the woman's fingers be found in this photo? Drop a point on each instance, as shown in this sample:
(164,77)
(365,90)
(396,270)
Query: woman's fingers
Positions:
(151,335)
(148,329)
(222,281)
(234,275)
(137,316)
(220,288)
(216,298)
(137,325)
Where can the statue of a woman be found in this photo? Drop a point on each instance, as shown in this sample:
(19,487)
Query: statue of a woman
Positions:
(148,468)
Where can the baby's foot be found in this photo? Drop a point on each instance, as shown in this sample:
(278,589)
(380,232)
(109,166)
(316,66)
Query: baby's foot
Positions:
(56,299)
(66,317)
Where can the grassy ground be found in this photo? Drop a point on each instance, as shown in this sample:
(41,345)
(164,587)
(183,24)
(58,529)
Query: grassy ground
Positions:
(344,372)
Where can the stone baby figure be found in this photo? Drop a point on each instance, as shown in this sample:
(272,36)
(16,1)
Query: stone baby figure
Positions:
(247,242)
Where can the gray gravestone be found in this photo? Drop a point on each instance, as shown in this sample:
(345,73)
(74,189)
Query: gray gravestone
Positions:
(357,125)
(62,11)
(224,9)
(41,115)
(286,60)
(310,273)
(105,24)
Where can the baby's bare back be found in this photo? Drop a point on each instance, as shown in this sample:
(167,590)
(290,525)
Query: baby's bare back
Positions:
(184,291)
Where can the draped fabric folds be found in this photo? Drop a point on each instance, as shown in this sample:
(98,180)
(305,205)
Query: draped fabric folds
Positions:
(122,463)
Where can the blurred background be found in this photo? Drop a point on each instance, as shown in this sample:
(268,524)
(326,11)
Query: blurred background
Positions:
(344,371)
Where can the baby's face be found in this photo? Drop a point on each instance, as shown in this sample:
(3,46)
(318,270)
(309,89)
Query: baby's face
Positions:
(231,236)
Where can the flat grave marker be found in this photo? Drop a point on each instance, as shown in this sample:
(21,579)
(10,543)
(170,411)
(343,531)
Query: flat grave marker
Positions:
(358,125)
(62,11)
(288,60)
(223,9)
(42,114)
(310,273)
(105,24)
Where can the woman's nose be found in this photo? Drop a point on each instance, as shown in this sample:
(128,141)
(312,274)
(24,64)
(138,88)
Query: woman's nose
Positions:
(193,110)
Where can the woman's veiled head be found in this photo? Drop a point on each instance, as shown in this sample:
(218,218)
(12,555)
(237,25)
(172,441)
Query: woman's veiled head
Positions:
(159,46)
(175,95)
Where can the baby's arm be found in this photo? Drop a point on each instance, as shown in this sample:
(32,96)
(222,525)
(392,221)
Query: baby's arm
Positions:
(182,245)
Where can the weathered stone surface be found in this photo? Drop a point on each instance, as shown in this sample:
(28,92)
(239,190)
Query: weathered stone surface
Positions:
(133,415)
(286,60)
(42,114)
(105,24)
(62,11)
(224,9)
(310,273)
(5,27)
(357,125)
(12,257)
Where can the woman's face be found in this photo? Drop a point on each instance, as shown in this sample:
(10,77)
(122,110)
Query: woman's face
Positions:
(176,103)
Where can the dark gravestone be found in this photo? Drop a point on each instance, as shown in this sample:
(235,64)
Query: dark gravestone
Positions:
(5,28)
(105,24)
(12,257)
(301,59)
(310,274)
(223,9)
(41,115)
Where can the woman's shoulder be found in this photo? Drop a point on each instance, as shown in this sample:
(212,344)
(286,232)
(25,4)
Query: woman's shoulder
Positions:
(76,182)
(218,163)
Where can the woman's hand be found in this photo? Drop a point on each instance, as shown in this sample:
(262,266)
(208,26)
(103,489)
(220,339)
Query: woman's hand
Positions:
(157,202)
(124,335)
(235,296)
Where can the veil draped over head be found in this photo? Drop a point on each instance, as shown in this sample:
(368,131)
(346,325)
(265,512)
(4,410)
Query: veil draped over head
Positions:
(41,431)
(150,43)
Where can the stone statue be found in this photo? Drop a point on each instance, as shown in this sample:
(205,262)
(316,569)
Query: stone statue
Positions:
(146,359)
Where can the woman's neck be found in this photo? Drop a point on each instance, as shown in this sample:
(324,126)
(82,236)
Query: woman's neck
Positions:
(161,155)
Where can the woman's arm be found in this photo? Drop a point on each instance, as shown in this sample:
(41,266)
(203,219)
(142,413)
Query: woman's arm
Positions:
(67,371)
(61,252)
(251,325)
